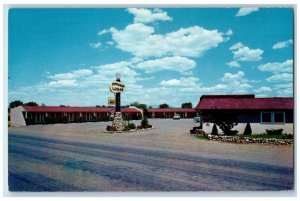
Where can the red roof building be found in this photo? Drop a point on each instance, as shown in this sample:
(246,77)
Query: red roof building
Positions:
(68,109)
(26,115)
(261,113)
(243,102)
(170,112)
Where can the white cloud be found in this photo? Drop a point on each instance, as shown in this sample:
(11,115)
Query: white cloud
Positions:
(233,64)
(190,81)
(216,89)
(229,32)
(244,53)
(236,83)
(246,11)
(231,84)
(284,89)
(110,43)
(263,90)
(277,67)
(236,46)
(63,83)
(282,44)
(179,64)
(140,40)
(228,77)
(95,45)
(143,15)
(104,31)
(107,73)
(283,77)
(72,75)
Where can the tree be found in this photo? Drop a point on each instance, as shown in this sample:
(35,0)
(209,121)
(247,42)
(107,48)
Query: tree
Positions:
(31,103)
(164,105)
(15,103)
(214,130)
(43,104)
(248,130)
(138,105)
(226,121)
(187,105)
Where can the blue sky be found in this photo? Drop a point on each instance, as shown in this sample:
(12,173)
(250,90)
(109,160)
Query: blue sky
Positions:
(172,55)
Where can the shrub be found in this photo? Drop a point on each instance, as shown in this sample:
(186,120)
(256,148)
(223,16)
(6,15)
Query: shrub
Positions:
(248,130)
(214,130)
(232,132)
(131,126)
(144,123)
(111,128)
(225,120)
(287,136)
(274,131)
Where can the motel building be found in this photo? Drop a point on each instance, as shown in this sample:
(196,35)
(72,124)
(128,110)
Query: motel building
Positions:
(261,113)
(28,115)
(170,112)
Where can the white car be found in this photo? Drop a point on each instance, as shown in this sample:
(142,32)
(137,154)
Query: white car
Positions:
(176,116)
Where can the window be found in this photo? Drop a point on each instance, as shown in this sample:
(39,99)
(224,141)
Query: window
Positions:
(266,117)
(272,117)
(278,117)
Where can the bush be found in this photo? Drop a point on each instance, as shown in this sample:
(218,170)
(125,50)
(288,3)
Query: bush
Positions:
(144,123)
(225,120)
(248,130)
(111,128)
(274,131)
(287,136)
(131,126)
(214,130)
(231,132)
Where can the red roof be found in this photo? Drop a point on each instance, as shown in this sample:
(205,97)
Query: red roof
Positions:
(171,110)
(75,109)
(245,102)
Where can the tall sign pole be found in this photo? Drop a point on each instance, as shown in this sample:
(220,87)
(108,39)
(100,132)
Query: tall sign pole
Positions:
(117,87)
(118,94)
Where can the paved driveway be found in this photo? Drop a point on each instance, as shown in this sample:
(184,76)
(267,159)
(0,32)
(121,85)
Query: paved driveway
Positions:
(81,157)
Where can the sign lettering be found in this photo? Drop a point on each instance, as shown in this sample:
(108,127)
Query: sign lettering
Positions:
(116,87)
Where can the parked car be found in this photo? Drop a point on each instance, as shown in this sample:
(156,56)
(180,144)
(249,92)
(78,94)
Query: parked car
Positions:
(196,119)
(176,116)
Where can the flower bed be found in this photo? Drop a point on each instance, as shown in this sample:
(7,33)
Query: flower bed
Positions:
(131,130)
(242,139)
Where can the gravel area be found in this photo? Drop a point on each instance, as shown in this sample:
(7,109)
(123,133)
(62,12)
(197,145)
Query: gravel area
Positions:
(168,134)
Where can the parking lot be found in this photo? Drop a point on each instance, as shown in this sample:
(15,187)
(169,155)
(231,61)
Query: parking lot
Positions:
(83,157)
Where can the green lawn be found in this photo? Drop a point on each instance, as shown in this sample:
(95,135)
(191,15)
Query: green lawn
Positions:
(264,136)
(201,137)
